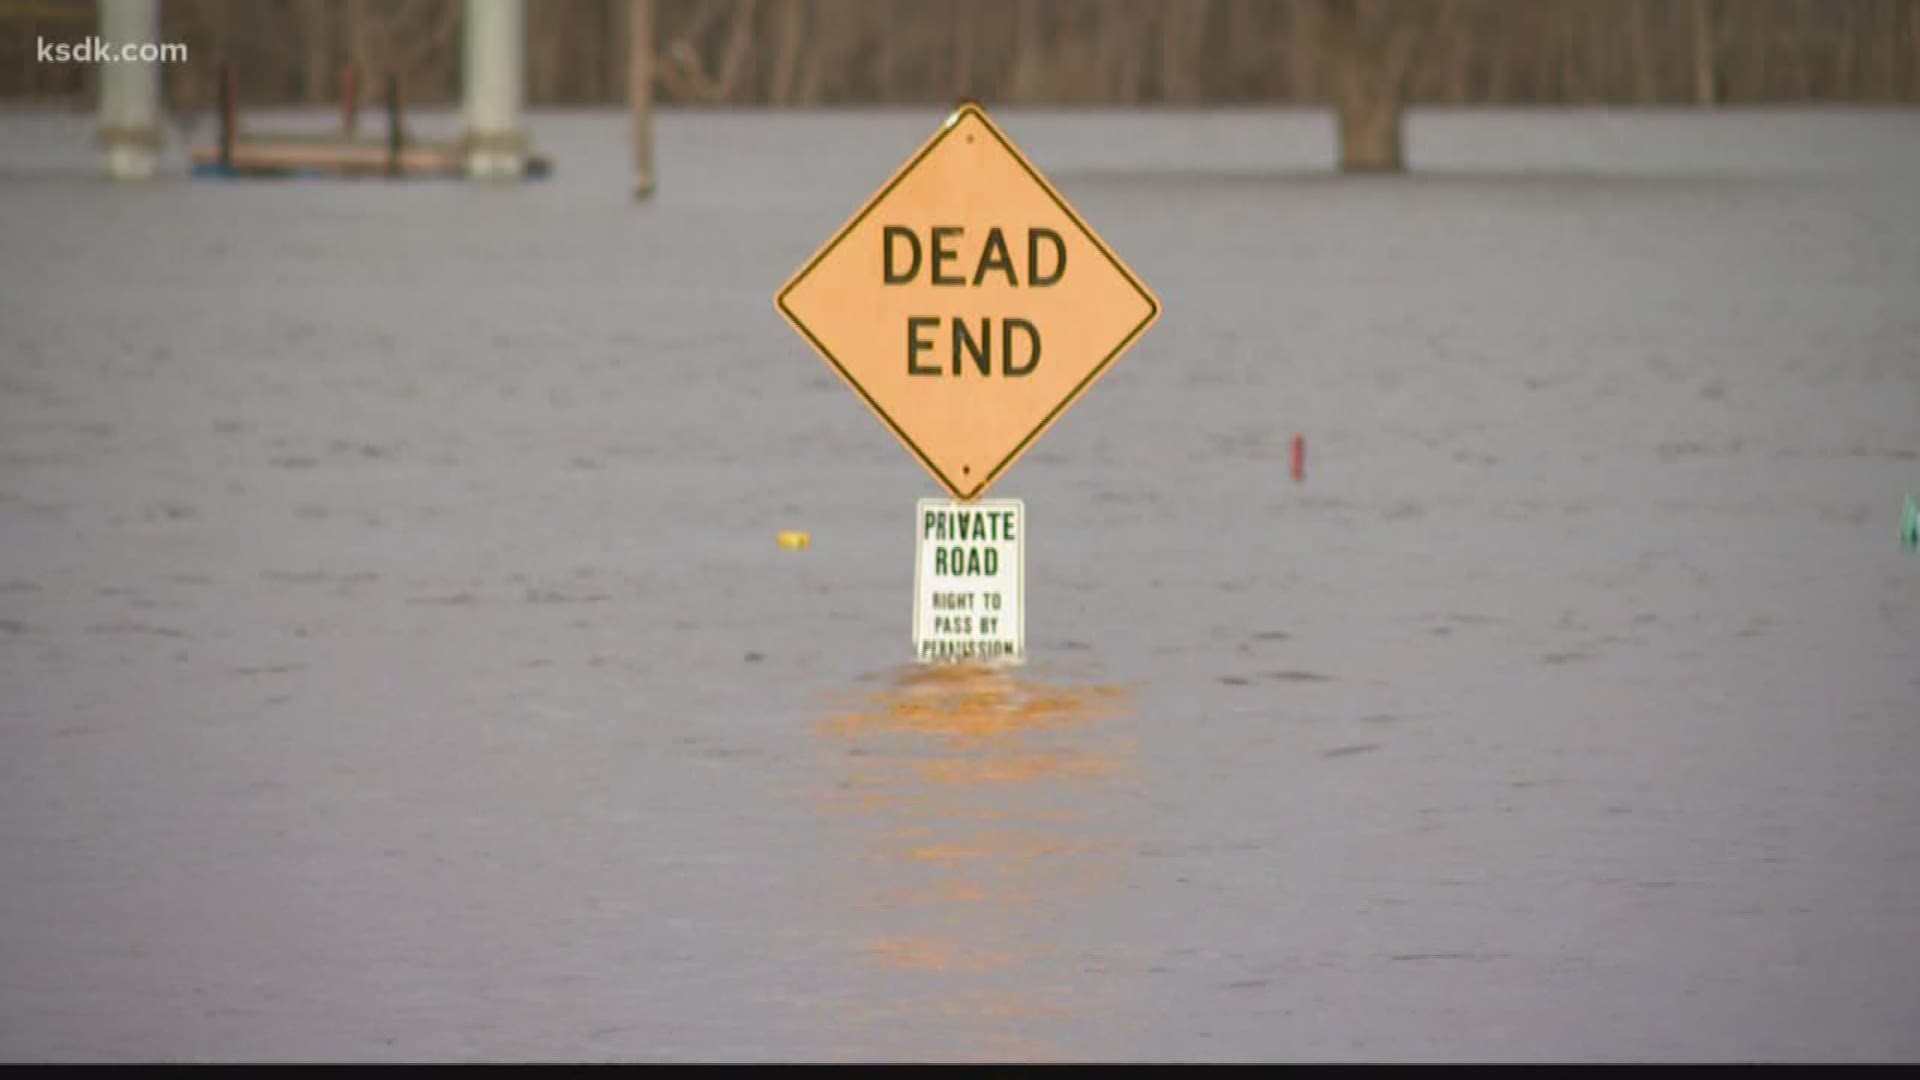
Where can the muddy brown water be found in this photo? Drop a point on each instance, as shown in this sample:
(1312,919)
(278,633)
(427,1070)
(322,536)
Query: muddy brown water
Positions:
(397,660)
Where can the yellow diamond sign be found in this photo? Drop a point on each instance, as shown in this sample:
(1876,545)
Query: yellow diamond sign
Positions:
(968,304)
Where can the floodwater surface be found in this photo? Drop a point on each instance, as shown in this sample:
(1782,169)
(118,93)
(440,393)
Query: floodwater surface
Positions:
(397,660)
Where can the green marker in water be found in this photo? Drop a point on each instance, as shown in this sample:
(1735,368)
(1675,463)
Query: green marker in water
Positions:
(1910,526)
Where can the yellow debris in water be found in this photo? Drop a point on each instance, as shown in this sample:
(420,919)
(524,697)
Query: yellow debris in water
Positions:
(794,540)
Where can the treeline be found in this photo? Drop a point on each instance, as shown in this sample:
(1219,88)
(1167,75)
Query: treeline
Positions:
(1116,52)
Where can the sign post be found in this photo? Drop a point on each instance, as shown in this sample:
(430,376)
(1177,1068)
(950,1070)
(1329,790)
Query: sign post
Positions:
(969,306)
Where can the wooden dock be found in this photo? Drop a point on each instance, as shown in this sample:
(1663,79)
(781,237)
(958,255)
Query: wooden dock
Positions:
(268,156)
(344,155)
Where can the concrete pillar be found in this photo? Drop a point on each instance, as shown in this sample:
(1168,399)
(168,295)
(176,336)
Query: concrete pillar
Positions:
(130,91)
(496,89)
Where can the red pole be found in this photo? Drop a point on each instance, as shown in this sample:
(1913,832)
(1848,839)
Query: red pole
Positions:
(349,102)
(1299,458)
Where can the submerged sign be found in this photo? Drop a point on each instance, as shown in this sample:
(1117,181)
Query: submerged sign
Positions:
(969,583)
(967,304)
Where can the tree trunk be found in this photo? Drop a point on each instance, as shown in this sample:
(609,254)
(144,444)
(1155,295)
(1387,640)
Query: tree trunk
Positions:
(316,74)
(1370,63)
(639,66)
(1705,51)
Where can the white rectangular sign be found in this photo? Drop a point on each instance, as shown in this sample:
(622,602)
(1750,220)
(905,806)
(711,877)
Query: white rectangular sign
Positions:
(969,585)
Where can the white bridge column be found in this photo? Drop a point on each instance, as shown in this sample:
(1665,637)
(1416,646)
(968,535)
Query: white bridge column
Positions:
(130,90)
(495,89)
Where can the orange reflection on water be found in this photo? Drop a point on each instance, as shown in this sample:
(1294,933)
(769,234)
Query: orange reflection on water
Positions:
(1012,769)
(970,704)
(980,806)
(934,954)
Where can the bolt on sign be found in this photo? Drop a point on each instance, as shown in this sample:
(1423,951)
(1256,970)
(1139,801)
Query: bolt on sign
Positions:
(969,585)
(967,304)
